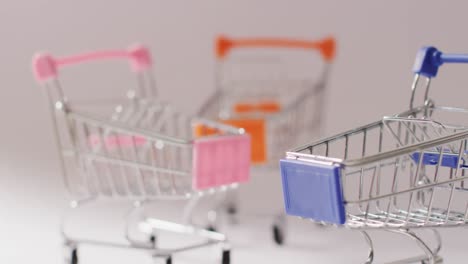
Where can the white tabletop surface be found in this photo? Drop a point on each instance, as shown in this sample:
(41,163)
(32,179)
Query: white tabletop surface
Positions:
(31,235)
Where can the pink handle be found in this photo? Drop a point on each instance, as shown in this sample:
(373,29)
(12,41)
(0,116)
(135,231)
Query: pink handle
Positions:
(45,66)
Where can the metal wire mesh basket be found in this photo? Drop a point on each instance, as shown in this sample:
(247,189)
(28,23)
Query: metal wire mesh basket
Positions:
(268,96)
(140,149)
(404,172)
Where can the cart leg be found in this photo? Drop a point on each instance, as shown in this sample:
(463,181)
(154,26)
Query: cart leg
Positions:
(212,215)
(71,246)
(224,204)
(137,214)
(438,240)
(232,206)
(211,227)
(188,210)
(430,256)
(370,255)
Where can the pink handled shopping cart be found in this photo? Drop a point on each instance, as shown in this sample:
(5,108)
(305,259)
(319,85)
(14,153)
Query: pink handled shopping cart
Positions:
(140,150)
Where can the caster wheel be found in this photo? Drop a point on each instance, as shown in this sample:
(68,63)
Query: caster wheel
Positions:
(74,256)
(437,260)
(211,228)
(152,240)
(278,235)
(232,210)
(226,259)
(169,260)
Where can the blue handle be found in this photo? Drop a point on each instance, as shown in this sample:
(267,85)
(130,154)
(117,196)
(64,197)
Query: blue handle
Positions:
(449,160)
(429,59)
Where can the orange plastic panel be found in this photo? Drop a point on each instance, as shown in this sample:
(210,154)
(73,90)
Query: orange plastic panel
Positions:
(254,127)
(201,131)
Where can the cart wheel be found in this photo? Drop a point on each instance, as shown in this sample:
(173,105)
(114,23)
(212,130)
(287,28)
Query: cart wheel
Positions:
(226,257)
(232,209)
(320,225)
(278,235)
(74,256)
(438,260)
(152,240)
(169,260)
(211,228)
(232,214)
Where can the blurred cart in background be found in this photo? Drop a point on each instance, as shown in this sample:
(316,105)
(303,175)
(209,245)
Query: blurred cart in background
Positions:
(274,88)
(139,150)
(402,174)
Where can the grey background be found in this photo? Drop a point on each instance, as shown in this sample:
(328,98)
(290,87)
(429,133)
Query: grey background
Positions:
(377,41)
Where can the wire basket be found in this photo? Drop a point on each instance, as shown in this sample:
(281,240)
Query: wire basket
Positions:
(401,173)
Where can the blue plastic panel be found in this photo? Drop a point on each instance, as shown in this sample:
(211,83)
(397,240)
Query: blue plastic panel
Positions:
(313,191)
(432,158)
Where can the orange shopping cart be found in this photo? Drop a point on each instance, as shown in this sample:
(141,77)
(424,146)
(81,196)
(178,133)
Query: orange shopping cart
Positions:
(273,88)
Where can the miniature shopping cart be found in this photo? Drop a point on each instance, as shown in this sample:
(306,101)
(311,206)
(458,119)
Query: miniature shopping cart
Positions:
(140,150)
(268,96)
(400,174)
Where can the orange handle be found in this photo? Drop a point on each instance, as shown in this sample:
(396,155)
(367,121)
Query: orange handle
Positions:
(326,46)
(265,107)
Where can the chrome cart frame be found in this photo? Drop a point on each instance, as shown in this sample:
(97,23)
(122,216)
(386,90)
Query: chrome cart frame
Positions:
(268,98)
(404,173)
(141,150)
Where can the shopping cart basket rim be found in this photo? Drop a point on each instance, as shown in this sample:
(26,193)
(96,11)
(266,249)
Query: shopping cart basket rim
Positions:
(295,154)
(431,107)
(434,123)
(118,127)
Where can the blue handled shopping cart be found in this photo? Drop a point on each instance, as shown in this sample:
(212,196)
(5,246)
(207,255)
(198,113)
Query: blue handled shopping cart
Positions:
(399,174)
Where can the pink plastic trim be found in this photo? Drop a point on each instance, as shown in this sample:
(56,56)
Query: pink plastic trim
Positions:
(46,67)
(141,58)
(220,161)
